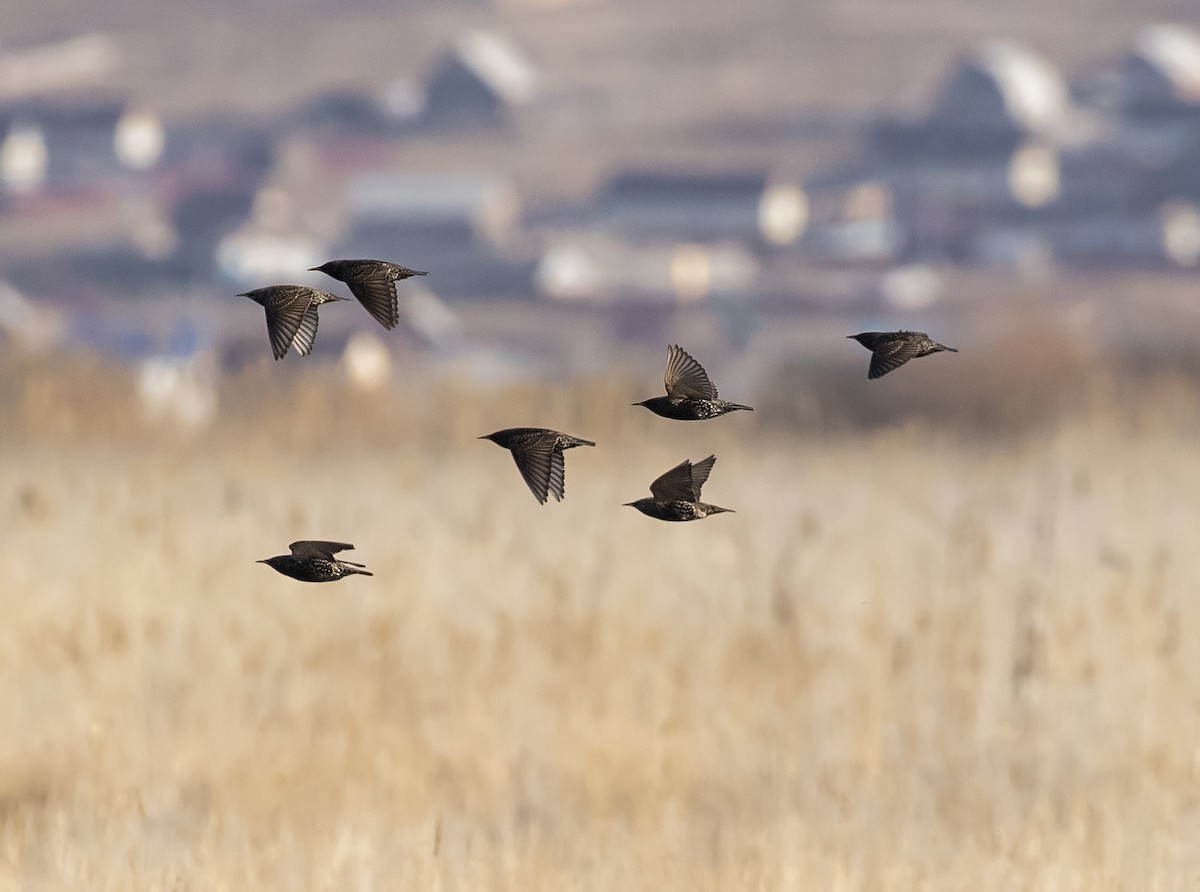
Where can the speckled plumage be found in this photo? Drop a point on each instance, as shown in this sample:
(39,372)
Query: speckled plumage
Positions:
(676,494)
(314,561)
(291,315)
(691,395)
(538,453)
(891,349)
(373,282)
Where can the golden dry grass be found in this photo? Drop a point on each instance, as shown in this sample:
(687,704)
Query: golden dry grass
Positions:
(917,658)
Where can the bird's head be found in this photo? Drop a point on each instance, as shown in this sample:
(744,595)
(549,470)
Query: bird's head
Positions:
(274,562)
(640,504)
(491,437)
(323,268)
(645,403)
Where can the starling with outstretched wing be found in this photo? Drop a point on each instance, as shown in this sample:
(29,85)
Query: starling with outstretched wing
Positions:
(891,349)
(313,561)
(538,453)
(291,315)
(373,282)
(691,395)
(676,494)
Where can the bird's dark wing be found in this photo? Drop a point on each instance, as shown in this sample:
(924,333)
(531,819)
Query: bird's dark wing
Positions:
(536,462)
(558,475)
(284,319)
(378,295)
(686,377)
(317,548)
(682,483)
(700,472)
(306,334)
(891,355)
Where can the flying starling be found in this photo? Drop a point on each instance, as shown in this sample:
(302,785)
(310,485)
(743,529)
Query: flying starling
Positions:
(373,282)
(315,562)
(891,349)
(291,315)
(539,456)
(691,396)
(676,494)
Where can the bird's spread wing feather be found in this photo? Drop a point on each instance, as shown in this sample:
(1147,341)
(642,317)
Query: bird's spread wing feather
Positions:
(318,548)
(378,295)
(558,475)
(284,319)
(683,482)
(686,377)
(306,334)
(891,355)
(700,472)
(536,462)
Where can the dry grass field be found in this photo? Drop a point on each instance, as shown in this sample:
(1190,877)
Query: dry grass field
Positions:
(920,656)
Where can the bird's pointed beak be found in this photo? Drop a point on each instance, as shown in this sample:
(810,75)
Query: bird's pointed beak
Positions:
(314,269)
(629,504)
(260,562)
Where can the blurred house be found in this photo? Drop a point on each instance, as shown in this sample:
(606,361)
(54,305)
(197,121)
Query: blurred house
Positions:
(251,256)
(993,100)
(852,221)
(1168,235)
(58,144)
(461,227)
(211,178)
(395,109)
(74,63)
(612,271)
(684,206)
(985,162)
(1161,74)
(479,82)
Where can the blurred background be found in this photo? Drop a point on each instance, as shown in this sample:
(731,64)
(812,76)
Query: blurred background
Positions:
(948,640)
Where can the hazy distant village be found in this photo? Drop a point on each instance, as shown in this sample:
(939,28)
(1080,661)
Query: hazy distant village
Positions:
(1011,164)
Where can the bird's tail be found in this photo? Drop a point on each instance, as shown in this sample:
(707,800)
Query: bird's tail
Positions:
(947,349)
(579,441)
(717,509)
(352,569)
(732,406)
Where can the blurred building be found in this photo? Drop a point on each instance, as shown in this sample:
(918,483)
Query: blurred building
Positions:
(1161,73)
(480,81)
(460,226)
(67,144)
(686,206)
(992,100)
(602,269)
(393,110)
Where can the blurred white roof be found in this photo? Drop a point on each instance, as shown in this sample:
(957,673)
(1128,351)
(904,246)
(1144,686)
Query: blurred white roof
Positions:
(1174,52)
(1034,93)
(498,63)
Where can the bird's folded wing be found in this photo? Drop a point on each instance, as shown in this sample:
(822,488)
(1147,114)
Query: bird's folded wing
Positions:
(318,548)
(891,356)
